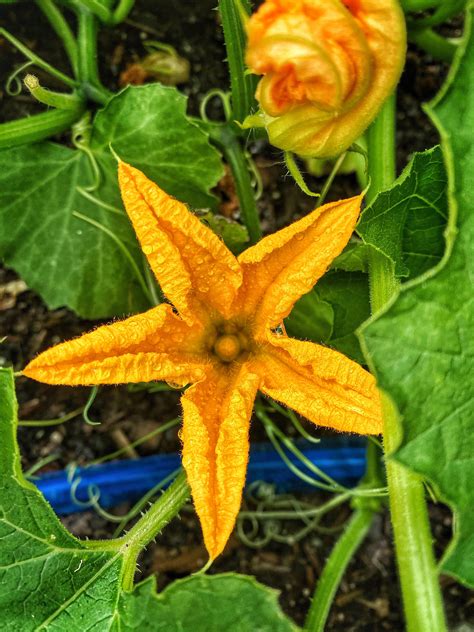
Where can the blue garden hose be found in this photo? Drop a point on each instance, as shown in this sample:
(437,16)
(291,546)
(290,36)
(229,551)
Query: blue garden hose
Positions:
(70,490)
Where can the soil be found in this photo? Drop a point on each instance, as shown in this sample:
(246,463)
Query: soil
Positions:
(369,597)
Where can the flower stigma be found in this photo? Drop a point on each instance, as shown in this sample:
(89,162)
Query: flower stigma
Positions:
(229,342)
(227,347)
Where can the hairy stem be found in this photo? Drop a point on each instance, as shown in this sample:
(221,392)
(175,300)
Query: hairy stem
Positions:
(242,84)
(150,524)
(422,598)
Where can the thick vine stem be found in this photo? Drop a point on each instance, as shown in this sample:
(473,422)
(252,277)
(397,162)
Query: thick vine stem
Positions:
(422,598)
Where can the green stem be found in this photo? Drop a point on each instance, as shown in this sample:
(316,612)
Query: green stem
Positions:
(422,598)
(342,553)
(228,143)
(444,11)
(87,63)
(37,60)
(41,423)
(329,180)
(36,127)
(59,100)
(150,524)
(436,45)
(98,10)
(419,5)
(242,84)
(123,9)
(62,30)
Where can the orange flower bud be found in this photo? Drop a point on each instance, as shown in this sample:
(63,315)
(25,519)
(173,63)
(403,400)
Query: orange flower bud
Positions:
(327,66)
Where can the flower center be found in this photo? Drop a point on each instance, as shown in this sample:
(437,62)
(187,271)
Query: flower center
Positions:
(227,347)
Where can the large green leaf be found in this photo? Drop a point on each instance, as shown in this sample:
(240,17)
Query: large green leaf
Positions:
(348,293)
(333,310)
(50,581)
(69,260)
(422,346)
(147,126)
(311,318)
(206,603)
(407,222)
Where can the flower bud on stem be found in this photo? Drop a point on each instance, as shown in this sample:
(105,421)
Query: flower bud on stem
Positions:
(59,100)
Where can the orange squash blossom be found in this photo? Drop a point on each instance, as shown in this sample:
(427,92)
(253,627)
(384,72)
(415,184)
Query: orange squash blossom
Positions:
(327,66)
(223,337)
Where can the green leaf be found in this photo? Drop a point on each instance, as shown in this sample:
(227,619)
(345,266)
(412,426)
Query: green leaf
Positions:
(407,221)
(332,312)
(147,126)
(234,235)
(422,346)
(348,293)
(69,260)
(48,579)
(354,258)
(311,318)
(51,581)
(64,258)
(203,603)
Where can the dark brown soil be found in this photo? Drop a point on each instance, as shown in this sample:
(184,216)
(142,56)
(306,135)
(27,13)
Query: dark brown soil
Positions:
(369,597)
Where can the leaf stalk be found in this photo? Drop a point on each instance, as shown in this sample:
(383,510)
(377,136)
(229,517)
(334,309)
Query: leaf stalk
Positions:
(422,598)
(335,567)
(150,524)
(225,139)
(62,30)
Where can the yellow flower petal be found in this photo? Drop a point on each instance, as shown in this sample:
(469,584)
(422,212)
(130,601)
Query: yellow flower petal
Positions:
(227,308)
(156,345)
(192,265)
(284,266)
(321,384)
(216,416)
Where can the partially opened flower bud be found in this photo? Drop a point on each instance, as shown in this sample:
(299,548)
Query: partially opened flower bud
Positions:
(327,66)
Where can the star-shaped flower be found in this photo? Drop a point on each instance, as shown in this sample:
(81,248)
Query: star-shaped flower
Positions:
(222,336)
